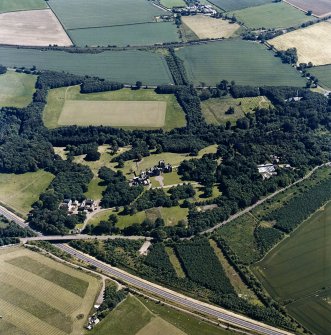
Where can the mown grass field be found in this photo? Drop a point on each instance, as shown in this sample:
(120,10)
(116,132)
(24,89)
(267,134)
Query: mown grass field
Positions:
(16,5)
(16,89)
(40,296)
(19,192)
(303,258)
(136,34)
(137,316)
(229,5)
(323,73)
(214,110)
(105,13)
(312,43)
(171,216)
(140,115)
(272,15)
(123,66)
(246,63)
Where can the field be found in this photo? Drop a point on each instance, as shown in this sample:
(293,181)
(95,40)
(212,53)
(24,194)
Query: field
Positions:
(323,73)
(240,287)
(123,66)
(137,114)
(229,5)
(36,28)
(137,316)
(303,257)
(274,15)
(171,216)
(208,27)
(244,62)
(214,110)
(173,3)
(123,108)
(107,13)
(16,5)
(319,7)
(136,34)
(40,296)
(312,43)
(19,192)
(16,89)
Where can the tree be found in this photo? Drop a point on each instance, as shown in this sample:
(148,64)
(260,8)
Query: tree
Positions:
(309,12)
(138,84)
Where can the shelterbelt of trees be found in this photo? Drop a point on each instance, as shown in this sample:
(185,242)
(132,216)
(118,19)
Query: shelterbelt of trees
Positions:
(297,132)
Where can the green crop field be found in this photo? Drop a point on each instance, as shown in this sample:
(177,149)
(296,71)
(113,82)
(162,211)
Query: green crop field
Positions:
(274,15)
(40,296)
(173,3)
(16,89)
(303,258)
(323,73)
(19,192)
(214,110)
(142,104)
(16,5)
(228,5)
(105,13)
(247,63)
(123,66)
(135,34)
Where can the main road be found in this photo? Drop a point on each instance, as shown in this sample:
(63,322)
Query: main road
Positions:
(175,297)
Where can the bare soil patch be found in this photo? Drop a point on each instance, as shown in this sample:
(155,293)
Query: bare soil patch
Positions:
(114,113)
(320,8)
(32,28)
(208,27)
(312,43)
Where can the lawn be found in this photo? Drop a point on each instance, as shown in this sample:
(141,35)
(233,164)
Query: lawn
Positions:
(123,66)
(273,15)
(214,110)
(247,63)
(303,257)
(16,89)
(19,192)
(16,5)
(40,296)
(312,43)
(144,102)
(136,34)
(105,13)
(323,73)
(229,5)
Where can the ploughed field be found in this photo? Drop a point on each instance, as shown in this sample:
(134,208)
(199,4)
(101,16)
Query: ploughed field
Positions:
(298,272)
(39,296)
(123,66)
(123,108)
(319,7)
(244,62)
